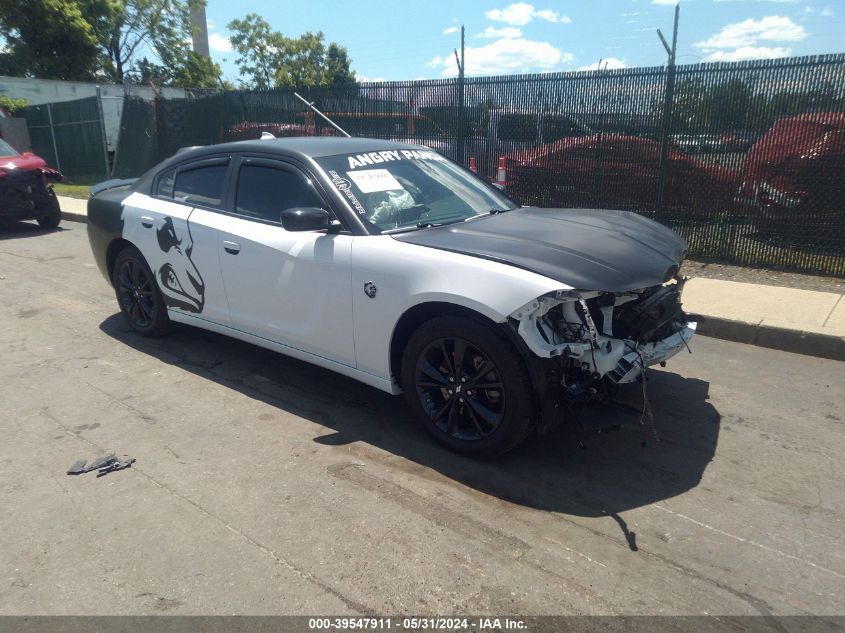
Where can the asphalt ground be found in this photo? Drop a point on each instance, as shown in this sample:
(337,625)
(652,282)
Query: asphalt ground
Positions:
(264,485)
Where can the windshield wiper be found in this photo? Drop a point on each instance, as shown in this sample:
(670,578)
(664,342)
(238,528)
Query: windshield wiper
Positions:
(495,211)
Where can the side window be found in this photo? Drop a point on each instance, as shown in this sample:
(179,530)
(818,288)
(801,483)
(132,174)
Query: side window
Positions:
(264,192)
(203,185)
(165,184)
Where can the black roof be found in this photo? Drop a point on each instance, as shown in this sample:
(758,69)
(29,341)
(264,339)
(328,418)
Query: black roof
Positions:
(301,147)
(304,146)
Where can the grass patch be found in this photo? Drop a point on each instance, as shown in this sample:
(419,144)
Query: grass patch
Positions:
(72,191)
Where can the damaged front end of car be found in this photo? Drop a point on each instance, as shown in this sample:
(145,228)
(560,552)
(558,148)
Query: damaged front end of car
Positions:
(587,343)
(24,193)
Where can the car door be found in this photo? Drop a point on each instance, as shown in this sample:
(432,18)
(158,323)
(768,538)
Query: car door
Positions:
(181,254)
(292,288)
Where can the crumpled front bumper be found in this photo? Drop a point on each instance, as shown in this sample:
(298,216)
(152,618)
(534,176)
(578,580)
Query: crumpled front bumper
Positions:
(631,365)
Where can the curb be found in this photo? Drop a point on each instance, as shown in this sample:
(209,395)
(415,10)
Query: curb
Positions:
(795,341)
(70,216)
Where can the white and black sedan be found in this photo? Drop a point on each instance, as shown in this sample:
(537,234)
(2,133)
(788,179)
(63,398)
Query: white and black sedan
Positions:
(388,263)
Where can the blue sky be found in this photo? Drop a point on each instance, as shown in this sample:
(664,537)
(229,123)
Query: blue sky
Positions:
(397,39)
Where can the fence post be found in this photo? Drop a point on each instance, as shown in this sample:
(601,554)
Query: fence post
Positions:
(668,107)
(53,137)
(461,114)
(103,132)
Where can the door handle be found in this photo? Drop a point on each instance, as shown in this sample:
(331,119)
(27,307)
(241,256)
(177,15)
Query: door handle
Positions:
(146,221)
(233,248)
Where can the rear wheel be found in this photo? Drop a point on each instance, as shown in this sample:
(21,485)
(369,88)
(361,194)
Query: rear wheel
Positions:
(49,213)
(138,295)
(468,386)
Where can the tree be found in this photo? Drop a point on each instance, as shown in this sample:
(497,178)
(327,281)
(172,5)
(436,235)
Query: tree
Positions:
(269,59)
(48,38)
(125,27)
(101,40)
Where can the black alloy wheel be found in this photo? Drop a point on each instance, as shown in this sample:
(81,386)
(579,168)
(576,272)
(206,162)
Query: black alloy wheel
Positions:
(468,385)
(138,296)
(136,293)
(460,389)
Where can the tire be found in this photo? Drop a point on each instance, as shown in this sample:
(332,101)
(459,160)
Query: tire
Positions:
(470,410)
(138,296)
(49,214)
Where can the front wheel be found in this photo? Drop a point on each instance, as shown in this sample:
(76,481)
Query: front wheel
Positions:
(49,213)
(138,295)
(468,386)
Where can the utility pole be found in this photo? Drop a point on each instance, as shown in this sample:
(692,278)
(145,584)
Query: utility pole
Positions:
(461,118)
(668,103)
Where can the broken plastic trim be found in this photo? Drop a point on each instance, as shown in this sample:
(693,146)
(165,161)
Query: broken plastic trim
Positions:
(621,360)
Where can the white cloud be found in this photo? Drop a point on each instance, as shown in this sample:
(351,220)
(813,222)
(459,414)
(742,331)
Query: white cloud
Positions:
(608,63)
(748,52)
(361,79)
(450,30)
(827,12)
(772,28)
(552,16)
(506,56)
(521,13)
(492,32)
(217,42)
(666,2)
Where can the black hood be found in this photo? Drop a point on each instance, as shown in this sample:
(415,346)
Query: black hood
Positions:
(588,249)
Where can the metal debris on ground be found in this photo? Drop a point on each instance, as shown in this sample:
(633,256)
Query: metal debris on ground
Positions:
(103,465)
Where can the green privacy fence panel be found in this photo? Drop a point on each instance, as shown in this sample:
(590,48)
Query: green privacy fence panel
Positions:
(69,136)
(747,163)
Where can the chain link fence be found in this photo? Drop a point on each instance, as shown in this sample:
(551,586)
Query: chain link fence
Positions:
(754,173)
(70,136)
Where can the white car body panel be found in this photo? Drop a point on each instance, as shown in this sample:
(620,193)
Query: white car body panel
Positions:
(406,275)
(292,288)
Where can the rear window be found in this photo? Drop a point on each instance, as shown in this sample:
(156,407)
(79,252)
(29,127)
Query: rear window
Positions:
(201,186)
(6,149)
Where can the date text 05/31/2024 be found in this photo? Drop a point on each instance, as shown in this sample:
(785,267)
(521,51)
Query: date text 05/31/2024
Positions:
(414,624)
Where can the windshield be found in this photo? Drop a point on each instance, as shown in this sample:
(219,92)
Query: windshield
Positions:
(410,189)
(6,149)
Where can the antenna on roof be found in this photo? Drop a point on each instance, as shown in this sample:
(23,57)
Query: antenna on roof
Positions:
(311,105)
(266,136)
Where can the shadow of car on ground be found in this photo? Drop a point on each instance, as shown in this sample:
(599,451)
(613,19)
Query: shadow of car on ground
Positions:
(611,473)
(15,230)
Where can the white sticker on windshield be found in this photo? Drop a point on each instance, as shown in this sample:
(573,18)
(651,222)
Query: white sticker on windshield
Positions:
(371,180)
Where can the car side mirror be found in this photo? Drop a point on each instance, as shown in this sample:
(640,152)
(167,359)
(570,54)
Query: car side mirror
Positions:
(305,219)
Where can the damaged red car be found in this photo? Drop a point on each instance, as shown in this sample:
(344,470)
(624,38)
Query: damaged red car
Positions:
(619,172)
(792,181)
(25,190)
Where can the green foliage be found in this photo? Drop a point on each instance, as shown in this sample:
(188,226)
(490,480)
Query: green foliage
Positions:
(733,105)
(11,104)
(183,68)
(268,59)
(96,40)
(48,38)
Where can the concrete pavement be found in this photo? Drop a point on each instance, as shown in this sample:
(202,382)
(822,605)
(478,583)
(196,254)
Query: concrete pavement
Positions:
(789,319)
